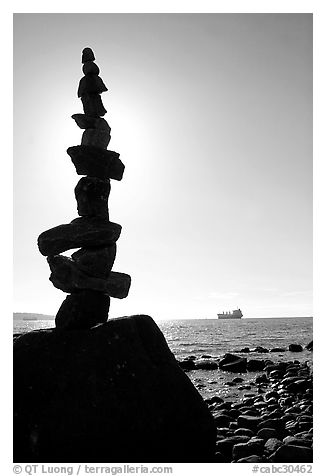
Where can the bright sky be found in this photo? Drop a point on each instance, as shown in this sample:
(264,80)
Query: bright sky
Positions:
(212,116)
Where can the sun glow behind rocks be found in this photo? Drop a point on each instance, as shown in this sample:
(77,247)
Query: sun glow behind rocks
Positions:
(212,117)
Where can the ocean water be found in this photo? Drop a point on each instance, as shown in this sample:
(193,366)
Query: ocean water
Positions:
(213,337)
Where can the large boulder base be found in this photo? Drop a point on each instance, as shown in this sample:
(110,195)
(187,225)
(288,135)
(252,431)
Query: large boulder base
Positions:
(111,393)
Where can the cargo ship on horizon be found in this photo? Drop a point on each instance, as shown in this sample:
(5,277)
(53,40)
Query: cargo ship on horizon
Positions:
(236,314)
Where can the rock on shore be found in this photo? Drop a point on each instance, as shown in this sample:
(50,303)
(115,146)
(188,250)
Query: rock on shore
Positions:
(273,424)
(110,393)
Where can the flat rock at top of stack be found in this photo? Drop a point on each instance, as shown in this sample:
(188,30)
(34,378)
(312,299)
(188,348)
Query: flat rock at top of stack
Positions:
(88,275)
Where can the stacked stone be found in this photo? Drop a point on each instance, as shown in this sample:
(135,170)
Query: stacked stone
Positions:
(87,276)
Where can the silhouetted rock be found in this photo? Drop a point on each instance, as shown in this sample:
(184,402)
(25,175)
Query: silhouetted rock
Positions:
(89,67)
(187,364)
(206,364)
(309,346)
(295,348)
(87,55)
(243,450)
(96,162)
(81,232)
(92,196)
(266,433)
(249,421)
(292,454)
(91,84)
(272,444)
(260,350)
(278,349)
(250,459)
(233,363)
(71,277)
(97,261)
(255,365)
(292,440)
(226,445)
(87,122)
(92,105)
(83,310)
(111,393)
(96,138)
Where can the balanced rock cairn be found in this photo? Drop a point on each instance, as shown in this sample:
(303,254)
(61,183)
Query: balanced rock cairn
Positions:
(87,275)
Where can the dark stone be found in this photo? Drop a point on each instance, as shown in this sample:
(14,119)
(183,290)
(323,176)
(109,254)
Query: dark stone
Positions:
(96,162)
(237,380)
(96,138)
(187,364)
(275,423)
(292,440)
(111,393)
(245,350)
(298,386)
(295,348)
(250,459)
(260,350)
(271,394)
(81,232)
(91,84)
(249,421)
(272,444)
(89,67)
(92,196)
(87,55)
(216,399)
(92,105)
(118,285)
(219,458)
(292,454)
(225,446)
(309,346)
(278,349)
(83,310)
(244,431)
(97,262)
(262,379)
(222,421)
(233,363)
(87,122)
(255,365)
(243,450)
(266,433)
(206,364)
(71,277)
